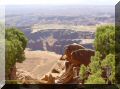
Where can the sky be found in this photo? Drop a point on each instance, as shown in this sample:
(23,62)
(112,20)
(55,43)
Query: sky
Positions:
(59,2)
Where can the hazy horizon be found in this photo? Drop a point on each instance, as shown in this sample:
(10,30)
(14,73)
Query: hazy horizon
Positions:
(60,2)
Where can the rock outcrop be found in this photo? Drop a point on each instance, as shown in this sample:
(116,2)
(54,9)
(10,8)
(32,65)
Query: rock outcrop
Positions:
(69,49)
(81,56)
(65,71)
(25,77)
(74,55)
(56,39)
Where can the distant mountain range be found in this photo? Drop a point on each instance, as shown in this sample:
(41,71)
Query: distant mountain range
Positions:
(22,16)
(55,39)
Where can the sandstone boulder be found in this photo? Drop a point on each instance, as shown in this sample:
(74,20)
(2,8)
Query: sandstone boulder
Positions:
(81,56)
(48,79)
(69,49)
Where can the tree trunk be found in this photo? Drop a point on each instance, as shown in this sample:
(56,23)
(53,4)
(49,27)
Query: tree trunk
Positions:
(12,75)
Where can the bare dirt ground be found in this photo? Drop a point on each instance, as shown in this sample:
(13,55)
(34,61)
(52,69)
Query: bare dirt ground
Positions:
(38,63)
